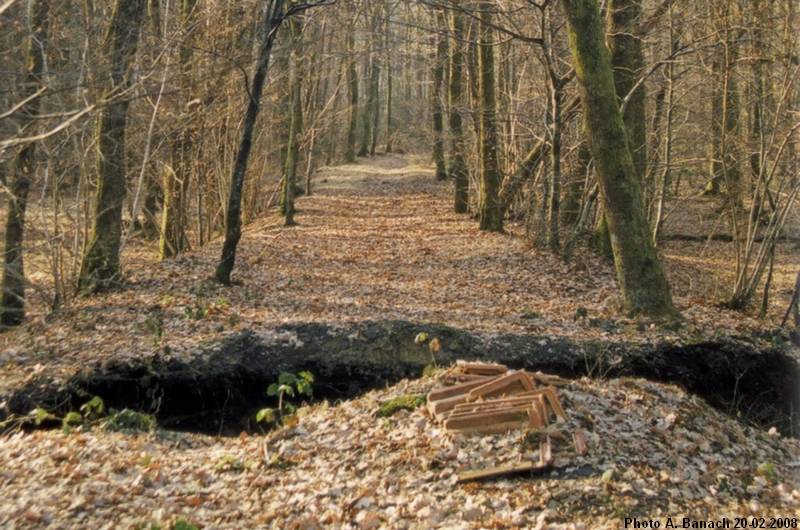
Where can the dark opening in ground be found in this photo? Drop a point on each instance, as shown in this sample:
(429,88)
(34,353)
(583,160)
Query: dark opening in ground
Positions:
(218,390)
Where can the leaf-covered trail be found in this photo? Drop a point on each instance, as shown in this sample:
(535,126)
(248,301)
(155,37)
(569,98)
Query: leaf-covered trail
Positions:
(376,240)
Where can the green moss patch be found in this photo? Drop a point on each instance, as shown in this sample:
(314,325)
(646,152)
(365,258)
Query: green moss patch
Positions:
(406,402)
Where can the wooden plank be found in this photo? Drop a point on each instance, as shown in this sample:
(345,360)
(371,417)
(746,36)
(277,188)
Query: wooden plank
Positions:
(482,419)
(555,404)
(482,368)
(446,405)
(456,378)
(522,396)
(512,383)
(541,406)
(490,473)
(536,421)
(470,410)
(450,391)
(494,428)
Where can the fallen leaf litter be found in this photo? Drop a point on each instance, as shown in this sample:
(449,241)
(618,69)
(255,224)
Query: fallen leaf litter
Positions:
(654,451)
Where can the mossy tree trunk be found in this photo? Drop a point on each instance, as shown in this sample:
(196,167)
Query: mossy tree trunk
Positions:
(640,273)
(12,301)
(437,109)
(296,121)
(352,84)
(100,267)
(233,217)
(491,213)
(176,182)
(627,58)
(458,165)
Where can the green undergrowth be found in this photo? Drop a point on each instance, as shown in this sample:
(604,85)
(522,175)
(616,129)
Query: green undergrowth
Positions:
(91,414)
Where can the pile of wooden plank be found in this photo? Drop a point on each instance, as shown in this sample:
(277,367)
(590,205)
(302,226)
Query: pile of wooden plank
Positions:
(489,398)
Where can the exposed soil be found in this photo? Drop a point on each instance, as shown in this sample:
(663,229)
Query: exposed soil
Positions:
(217,389)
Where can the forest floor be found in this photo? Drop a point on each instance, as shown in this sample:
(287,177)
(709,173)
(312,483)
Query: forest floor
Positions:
(378,241)
(654,452)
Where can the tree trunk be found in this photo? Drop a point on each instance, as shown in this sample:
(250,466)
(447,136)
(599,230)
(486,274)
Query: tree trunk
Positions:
(390,126)
(368,120)
(458,165)
(100,268)
(669,109)
(439,58)
(296,122)
(352,83)
(717,106)
(375,84)
(553,215)
(491,213)
(176,183)
(640,273)
(233,218)
(12,301)
(575,185)
(371,66)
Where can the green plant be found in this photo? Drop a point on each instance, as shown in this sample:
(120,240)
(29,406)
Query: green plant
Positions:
(94,408)
(288,386)
(39,416)
(72,419)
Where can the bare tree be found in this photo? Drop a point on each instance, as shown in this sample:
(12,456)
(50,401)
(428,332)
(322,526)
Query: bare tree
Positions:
(12,301)
(100,268)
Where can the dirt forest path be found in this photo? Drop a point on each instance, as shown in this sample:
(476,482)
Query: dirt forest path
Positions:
(376,240)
